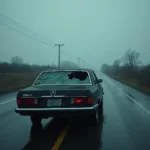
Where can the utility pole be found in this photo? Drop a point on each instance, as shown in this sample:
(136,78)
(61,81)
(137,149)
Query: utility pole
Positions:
(78,62)
(59,46)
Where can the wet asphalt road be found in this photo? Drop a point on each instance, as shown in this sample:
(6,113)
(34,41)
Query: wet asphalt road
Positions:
(125,125)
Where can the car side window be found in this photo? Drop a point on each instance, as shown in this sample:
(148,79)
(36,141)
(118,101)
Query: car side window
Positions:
(94,77)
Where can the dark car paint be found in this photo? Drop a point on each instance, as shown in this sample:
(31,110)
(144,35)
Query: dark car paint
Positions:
(99,90)
(58,113)
(66,90)
(94,90)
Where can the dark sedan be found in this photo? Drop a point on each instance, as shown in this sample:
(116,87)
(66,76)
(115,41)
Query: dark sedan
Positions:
(62,93)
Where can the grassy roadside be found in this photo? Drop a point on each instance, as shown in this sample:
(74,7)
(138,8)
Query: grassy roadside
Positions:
(13,81)
(134,83)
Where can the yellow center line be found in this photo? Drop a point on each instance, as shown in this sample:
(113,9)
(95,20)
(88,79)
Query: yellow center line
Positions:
(60,138)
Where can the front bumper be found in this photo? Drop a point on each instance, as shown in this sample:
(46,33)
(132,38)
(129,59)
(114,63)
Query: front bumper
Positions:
(57,112)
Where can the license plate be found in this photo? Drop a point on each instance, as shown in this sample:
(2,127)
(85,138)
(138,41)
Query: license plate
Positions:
(53,102)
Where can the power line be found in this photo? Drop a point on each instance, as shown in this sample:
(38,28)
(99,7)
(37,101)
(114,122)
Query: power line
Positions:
(12,21)
(10,27)
(8,22)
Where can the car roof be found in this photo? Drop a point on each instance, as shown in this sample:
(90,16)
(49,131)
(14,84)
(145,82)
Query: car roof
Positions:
(78,69)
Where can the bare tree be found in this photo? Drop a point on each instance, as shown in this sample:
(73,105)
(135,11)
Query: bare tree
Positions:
(131,59)
(107,69)
(116,65)
(17,60)
(104,67)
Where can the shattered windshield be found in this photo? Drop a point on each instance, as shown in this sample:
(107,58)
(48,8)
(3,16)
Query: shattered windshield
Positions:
(63,77)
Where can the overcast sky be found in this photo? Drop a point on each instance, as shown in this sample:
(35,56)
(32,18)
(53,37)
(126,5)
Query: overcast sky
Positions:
(98,31)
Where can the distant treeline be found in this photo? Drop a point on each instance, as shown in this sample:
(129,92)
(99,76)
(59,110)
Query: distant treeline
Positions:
(15,74)
(16,65)
(129,69)
(22,68)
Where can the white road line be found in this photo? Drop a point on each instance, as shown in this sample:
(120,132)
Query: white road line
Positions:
(148,112)
(7,101)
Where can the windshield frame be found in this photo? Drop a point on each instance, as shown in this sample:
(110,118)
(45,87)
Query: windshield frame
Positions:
(62,71)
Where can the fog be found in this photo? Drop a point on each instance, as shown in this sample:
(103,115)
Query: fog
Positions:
(97,31)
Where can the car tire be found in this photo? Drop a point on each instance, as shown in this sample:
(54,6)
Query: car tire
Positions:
(94,118)
(35,119)
(101,104)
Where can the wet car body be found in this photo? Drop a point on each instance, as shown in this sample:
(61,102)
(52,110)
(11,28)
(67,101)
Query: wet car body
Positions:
(62,100)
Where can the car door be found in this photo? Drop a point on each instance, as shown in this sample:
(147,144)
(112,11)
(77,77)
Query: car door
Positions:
(97,94)
(99,86)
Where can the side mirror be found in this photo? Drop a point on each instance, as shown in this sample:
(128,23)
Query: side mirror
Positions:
(99,81)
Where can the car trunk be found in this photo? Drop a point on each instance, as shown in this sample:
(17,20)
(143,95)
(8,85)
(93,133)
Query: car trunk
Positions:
(43,98)
(66,90)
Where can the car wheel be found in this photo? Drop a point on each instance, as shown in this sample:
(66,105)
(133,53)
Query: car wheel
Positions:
(35,119)
(101,104)
(94,118)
